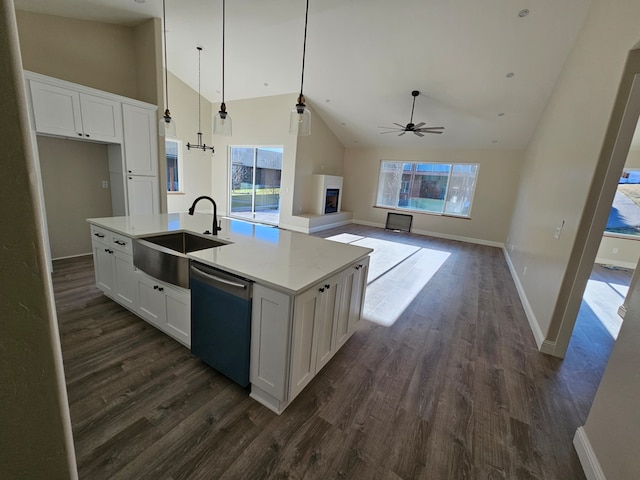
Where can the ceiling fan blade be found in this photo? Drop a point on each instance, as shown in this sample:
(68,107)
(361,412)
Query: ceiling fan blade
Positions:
(419,134)
(402,133)
(419,125)
(390,131)
(431,131)
(401,126)
(431,128)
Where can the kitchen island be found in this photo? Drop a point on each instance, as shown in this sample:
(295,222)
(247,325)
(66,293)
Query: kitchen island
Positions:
(307,292)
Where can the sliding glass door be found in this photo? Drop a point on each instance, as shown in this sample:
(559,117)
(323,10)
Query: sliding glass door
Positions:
(255,183)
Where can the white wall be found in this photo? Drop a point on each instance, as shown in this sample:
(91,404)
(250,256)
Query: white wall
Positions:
(495,194)
(621,252)
(562,157)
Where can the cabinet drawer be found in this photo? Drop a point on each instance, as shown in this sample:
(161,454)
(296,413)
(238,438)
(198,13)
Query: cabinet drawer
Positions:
(100,234)
(120,242)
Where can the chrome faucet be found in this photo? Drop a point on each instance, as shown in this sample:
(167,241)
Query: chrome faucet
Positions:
(216,228)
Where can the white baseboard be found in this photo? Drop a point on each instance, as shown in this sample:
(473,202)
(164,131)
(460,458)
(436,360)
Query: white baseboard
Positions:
(543,344)
(73,256)
(616,263)
(587,456)
(327,227)
(427,233)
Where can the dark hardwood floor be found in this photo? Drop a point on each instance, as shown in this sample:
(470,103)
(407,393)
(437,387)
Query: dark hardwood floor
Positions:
(454,389)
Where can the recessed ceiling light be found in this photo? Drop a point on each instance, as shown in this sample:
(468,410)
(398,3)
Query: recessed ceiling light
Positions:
(265,84)
(494,141)
(510,74)
(217,91)
(501,114)
(523,13)
(140,1)
(343,123)
(327,100)
(355,141)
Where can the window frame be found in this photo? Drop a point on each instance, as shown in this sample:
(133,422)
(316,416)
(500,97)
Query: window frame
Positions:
(414,169)
(180,165)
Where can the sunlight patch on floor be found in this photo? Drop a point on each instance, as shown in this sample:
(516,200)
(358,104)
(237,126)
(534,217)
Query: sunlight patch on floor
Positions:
(604,299)
(397,273)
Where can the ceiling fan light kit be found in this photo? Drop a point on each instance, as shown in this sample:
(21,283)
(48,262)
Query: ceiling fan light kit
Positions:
(416,129)
(167,126)
(222,120)
(300,116)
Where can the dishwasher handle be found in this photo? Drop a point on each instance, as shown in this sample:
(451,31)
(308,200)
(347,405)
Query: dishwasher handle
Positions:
(239,287)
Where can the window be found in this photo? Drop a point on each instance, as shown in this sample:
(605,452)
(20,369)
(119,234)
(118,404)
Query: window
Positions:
(173,151)
(255,173)
(438,188)
(624,217)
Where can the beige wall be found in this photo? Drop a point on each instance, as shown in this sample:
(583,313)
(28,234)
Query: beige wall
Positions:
(561,159)
(72,175)
(35,436)
(320,152)
(621,252)
(258,121)
(95,54)
(492,205)
(197,165)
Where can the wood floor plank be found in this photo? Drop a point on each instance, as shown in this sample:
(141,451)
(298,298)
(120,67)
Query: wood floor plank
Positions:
(455,388)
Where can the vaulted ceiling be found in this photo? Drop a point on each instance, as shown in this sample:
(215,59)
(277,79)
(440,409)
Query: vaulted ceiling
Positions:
(485,69)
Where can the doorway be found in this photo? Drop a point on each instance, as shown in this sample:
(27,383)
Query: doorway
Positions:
(255,176)
(610,165)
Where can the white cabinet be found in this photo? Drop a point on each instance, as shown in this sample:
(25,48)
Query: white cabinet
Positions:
(63,111)
(140,140)
(113,264)
(293,337)
(142,195)
(165,306)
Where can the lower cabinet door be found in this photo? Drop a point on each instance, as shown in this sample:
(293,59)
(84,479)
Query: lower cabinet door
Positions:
(303,347)
(151,304)
(178,314)
(125,279)
(103,265)
(331,297)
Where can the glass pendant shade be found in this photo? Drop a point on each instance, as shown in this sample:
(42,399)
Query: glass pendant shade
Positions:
(167,126)
(300,121)
(222,122)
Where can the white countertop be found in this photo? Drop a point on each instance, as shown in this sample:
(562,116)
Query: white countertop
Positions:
(280,259)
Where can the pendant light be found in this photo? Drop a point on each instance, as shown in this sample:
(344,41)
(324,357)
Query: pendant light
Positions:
(167,126)
(200,145)
(300,117)
(222,120)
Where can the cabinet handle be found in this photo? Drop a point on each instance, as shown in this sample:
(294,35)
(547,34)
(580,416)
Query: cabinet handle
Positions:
(129,171)
(99,235)
(155,287)
(79,134)
(161,289)
(86,134)
(119,242)
(321,289)
(327,286)
(108,251)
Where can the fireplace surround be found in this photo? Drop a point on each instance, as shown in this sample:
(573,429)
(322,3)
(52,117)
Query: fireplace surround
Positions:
(327,194)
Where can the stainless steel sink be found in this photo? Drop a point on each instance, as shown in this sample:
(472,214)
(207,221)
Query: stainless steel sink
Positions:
(164,256)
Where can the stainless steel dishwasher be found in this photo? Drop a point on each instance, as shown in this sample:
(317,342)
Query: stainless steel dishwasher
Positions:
(221,320)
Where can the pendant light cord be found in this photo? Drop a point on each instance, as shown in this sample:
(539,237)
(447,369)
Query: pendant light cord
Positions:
(304,46)
(199,97)
(223,17)
(414,106)
(166,66)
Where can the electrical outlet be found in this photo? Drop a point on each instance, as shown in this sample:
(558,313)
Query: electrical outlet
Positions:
(105,183)
(558,231)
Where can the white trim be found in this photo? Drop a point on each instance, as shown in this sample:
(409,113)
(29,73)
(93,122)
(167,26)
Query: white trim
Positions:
(587,456)
(477,241)
(543,344)
(327,227)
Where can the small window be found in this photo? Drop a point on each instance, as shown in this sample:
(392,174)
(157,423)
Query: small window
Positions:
(624,217)
(436,188)
(173,150)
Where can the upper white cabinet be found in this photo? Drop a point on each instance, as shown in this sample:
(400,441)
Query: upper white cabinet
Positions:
(62,111)
(140,140)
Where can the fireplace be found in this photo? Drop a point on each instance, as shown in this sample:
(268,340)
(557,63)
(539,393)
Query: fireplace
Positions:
(331,200)
(326,191)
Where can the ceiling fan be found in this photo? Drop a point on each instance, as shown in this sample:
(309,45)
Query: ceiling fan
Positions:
(417,129)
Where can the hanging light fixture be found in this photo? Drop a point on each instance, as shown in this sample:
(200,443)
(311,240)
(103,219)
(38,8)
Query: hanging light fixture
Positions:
(167,126)
(200,145)
(222,120)
(300,117)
